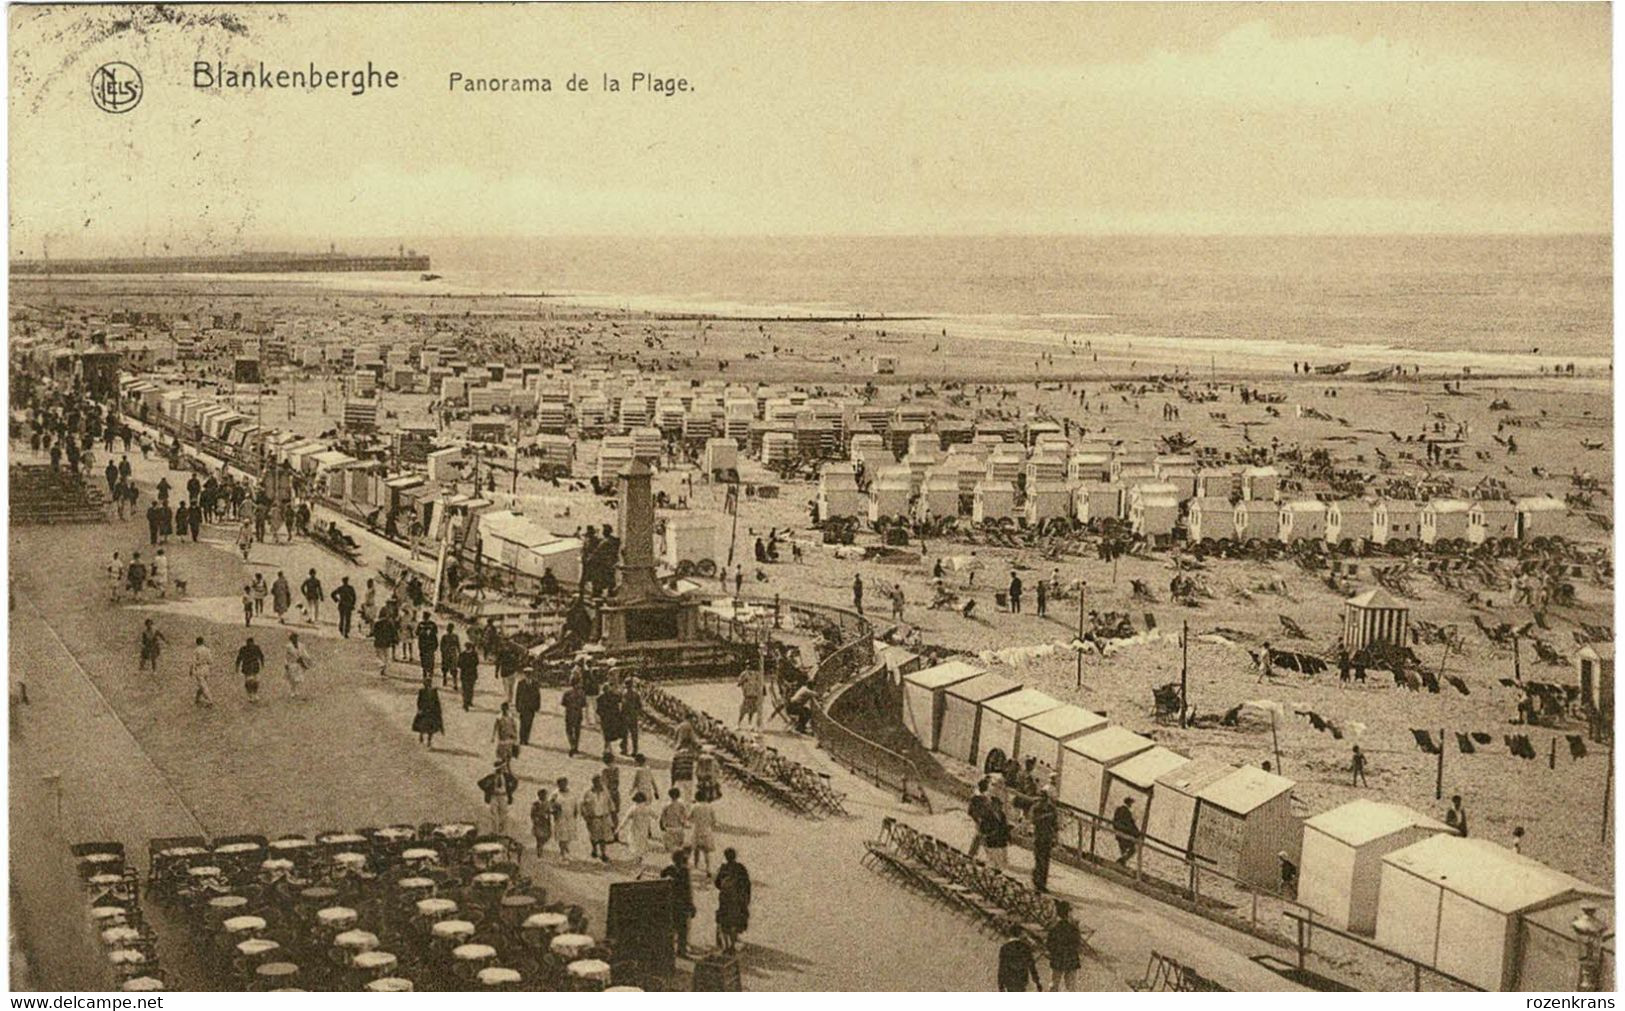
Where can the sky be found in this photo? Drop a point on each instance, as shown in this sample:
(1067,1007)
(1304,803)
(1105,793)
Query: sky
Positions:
(815,119)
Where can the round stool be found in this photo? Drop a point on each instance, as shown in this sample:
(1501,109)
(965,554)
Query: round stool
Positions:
(496,977)
(120,937)
(341,839)
(394,833)
(413,889)
(356,942)
(452,932)
(435,909)
(623,989)
(351,861)
(489,886)
(336,918)
(516,908)
(571,946)
(539,928)
(127,960)
(276,865)
(256,950)
(276,975)
(289,845)
(420,856)
(196,875)
(473,957)
(454,830)
(589,973)
(390,984)
(240,928)
(141,984)
(232,849)
(375,964)
(488,853)
(223,907)
(110,916)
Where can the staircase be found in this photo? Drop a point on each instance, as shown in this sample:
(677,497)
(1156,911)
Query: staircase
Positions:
(41,494)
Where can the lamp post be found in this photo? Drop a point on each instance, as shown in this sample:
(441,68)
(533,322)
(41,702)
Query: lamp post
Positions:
(1589,930)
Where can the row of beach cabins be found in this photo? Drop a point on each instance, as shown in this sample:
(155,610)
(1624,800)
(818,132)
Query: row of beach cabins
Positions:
(1160,496)
(1469,908)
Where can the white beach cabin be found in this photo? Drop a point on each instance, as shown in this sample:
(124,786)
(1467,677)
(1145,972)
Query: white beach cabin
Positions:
(962,713)
(1042,734)
(1341,869)
(1244,822)
(923,700)
(1172,817)
(1001,719)
(1084,761)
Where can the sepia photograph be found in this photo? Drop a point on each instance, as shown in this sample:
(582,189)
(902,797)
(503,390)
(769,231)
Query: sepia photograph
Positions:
(810,497)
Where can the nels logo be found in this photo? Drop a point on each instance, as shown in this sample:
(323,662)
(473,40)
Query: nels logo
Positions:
(116,87)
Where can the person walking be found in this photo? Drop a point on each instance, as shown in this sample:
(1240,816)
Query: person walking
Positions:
(344,598)
(752,687)
(566,811)
(245,540)
(1127,831)
(599,815)
(369,606)
(541,821)
(194,520)
(1266,664)
(733,899)
(428,720)
(250,661)
(1064,942)
(1045,821)
(136,576)
(506,664)
(682,886)
(116,576)
(527,702)
(703,818)
(248,605)
(160,573)
(505,734)
(451,650)
(1358,767)
(574,702)
(996,834)
(979,810)
(499,785)
(674,819)
(295,662)
(1041,596)
(1015,593)
(609,716)
(312,590)
(1017,965)
(152,644)
(428,641)
(202,661)
(643,778)
(631,716)
(383,642)
(857,593)
(611,774)
(281,598)
(259,588)
(468,665)
(637,828)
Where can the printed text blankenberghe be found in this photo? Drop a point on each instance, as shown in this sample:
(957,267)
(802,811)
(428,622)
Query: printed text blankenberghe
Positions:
(259,77)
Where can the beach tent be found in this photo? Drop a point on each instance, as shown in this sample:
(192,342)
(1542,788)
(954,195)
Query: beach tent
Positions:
(1244,822)
(1343,848)
(923,701)
(1084,761)
(1042,734)
(1171,819)
(962,713)
(1136,778)
(1460,906)
(1002,716)
(1374,616)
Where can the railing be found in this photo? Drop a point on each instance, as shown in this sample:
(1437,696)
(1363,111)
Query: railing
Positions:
(869,759)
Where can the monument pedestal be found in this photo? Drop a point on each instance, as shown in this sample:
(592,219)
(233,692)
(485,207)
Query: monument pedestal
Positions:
(641,610)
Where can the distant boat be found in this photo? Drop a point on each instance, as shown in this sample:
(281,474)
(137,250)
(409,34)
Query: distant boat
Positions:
(1332,370)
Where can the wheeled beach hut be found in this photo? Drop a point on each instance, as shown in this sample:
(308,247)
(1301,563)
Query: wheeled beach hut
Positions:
(1492,520)
(1444,520)
(1348,520)
(1043,734)
(962,713)
(1084,761)
(1465,906)
(1001,719)
(1171,819)
(1244,821)
(923,701)
(1341,869)
(1136,778)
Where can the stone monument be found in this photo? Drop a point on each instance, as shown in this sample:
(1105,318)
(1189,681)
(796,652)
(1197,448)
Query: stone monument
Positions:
(641,610)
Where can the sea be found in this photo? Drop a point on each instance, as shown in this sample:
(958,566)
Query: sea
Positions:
(1484,294)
